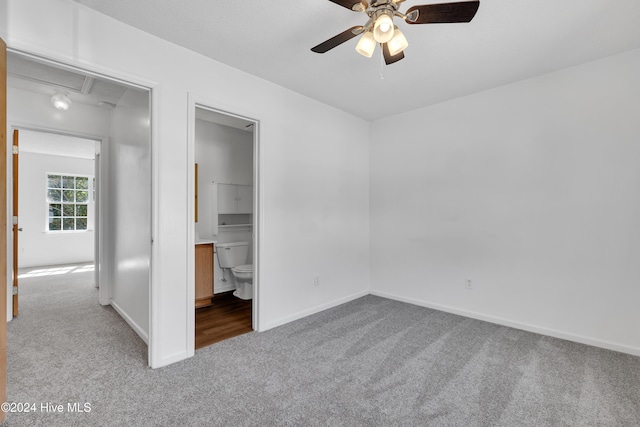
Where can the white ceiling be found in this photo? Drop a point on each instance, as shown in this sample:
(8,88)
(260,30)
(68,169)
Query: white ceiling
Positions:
(30,74)
(507,41)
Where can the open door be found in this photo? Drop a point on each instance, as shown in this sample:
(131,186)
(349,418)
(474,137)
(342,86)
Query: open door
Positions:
(15,222)
(3,225)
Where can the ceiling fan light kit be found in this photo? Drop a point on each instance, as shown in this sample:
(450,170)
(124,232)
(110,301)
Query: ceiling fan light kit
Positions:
(381,29)
(366,45)
(398,42)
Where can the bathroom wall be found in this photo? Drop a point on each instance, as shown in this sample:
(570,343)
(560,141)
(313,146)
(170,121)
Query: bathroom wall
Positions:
(531,191)
(224,155)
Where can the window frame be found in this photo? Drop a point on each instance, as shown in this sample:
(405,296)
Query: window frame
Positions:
(89,202)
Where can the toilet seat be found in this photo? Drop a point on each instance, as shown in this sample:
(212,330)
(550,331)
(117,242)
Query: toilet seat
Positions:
(246,268)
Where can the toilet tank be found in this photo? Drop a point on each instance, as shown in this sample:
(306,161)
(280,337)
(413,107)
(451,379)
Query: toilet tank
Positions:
(232,254)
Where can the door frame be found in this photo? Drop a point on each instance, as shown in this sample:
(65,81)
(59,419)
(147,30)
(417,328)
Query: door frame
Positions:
(15,228)
(4,244)
(104,293)
(136,82)
(195,101)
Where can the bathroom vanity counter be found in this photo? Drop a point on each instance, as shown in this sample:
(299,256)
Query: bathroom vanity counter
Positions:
(206,242)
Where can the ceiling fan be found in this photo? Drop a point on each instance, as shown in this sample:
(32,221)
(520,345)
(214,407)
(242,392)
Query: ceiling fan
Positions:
(380,28)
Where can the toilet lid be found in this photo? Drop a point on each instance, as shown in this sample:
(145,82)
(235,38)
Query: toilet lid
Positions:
(246,268)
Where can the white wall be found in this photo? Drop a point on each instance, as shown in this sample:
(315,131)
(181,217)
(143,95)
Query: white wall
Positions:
(531,191)
(38,247)
(314,177)
(129,209)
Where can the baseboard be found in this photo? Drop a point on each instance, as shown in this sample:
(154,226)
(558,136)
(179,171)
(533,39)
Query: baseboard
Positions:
(141,333)
(224,288)
(517,325)
(313,310)
(170,359)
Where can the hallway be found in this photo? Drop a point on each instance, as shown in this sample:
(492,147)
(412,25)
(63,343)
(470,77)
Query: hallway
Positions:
(58,345)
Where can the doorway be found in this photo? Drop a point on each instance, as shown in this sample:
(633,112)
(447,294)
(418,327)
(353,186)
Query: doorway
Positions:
(117,113)
(55,199)
(226,212)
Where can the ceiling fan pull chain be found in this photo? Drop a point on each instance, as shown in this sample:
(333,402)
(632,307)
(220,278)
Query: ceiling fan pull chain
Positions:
(381,65)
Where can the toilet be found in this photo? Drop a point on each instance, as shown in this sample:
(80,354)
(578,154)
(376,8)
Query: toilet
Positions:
(233,255)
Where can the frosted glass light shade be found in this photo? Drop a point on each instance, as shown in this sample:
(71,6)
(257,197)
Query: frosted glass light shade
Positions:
(398,43)
(366,45)
(383,28)
(61,101)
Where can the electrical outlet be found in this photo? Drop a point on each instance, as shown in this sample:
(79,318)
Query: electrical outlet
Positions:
(468,284)
(316,280)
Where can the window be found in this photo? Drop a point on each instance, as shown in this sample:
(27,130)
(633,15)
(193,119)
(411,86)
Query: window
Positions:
(68,202)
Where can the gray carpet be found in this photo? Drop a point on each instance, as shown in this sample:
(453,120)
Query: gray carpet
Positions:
(370,362)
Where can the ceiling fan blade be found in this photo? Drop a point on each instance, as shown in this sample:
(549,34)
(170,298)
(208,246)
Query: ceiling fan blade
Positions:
(338,40)
(352,4)
(388,59)
(442,13)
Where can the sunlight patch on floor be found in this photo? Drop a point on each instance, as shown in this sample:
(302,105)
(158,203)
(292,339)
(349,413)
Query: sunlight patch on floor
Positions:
(53,271)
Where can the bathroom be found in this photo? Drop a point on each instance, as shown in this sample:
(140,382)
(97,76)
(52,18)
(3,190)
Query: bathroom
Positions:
(224,218)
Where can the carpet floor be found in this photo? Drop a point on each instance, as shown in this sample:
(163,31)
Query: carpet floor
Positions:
(369,362)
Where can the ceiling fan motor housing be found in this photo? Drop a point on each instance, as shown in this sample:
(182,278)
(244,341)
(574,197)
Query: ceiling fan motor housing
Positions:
(379,8)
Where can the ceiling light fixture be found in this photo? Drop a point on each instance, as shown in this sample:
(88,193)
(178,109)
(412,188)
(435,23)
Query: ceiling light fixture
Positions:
(383,27)
(398,43)
(384,31)
(379,28)
(366,45)
(61,101)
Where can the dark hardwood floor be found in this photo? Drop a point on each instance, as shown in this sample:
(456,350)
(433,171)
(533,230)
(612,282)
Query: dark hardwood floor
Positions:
(227,317)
